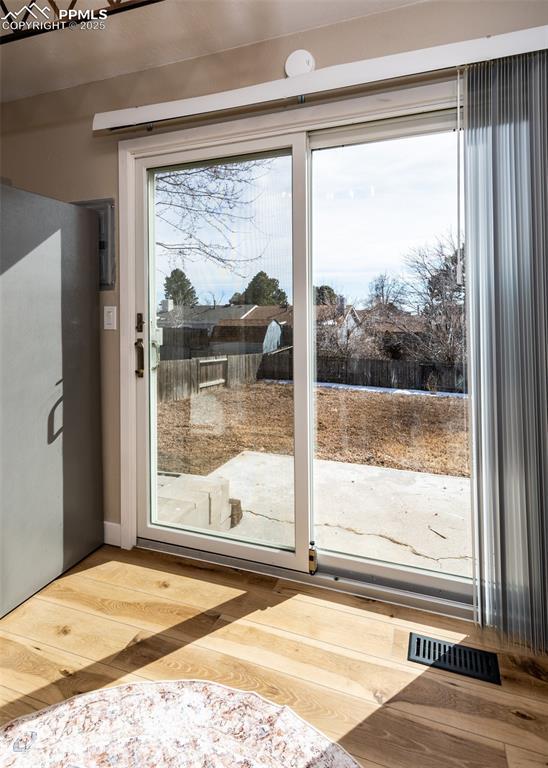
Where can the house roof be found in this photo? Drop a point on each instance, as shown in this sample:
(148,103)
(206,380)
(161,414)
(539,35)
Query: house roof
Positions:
(380,320)
(242,331)
(203,313)
(283,315)
(331,312)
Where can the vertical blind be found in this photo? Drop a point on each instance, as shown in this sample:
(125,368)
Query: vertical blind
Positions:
(506,178)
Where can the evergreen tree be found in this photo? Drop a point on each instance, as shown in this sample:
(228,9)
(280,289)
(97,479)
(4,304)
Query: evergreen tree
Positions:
(263,291)
(324,294)
(178,287)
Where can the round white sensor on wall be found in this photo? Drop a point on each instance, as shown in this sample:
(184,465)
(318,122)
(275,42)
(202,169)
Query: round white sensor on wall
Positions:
(299,63)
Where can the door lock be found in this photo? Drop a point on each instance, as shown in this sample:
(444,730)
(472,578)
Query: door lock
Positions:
(312,558)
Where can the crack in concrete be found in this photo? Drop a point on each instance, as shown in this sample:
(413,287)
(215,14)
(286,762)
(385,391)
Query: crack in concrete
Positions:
(268,517)
(384,536)
(393,540)
(357,532)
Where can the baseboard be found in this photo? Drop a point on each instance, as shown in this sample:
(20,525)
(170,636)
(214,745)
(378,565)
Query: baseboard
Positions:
(113,533)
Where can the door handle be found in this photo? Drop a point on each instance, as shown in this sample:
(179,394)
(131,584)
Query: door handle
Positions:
(140,349)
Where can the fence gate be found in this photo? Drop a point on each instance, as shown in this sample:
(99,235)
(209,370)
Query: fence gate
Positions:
(211,371)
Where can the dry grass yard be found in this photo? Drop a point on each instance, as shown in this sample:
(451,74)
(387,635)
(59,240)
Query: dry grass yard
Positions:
(424,434)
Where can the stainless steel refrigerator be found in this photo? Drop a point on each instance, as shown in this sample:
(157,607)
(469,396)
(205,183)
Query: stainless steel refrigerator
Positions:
(50,420)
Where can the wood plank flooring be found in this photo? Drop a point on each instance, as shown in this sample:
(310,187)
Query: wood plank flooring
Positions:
(339,661)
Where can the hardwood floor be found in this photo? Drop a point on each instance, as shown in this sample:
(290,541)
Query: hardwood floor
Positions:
(338,661)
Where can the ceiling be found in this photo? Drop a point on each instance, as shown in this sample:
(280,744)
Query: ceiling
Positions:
(161,33)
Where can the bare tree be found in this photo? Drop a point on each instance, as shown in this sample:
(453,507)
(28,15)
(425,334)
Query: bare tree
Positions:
(437,288)
(387,292)
(384,306)
(212,299)
(422,316)
(203,205)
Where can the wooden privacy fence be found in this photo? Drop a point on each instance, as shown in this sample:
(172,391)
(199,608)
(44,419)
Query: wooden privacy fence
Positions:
(406,374)
(183,343)
(177,379)
(370,372)
(394,374)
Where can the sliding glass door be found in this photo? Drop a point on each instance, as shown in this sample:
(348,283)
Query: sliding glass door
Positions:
(391,462)
(304,340)
(219,358)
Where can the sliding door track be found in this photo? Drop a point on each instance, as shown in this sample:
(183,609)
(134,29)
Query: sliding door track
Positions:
(440,601)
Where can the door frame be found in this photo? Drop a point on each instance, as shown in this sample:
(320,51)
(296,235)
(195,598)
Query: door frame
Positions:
(136,156)
(133,155)
(296,559)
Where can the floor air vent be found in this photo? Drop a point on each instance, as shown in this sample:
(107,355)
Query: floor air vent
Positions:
(452,657)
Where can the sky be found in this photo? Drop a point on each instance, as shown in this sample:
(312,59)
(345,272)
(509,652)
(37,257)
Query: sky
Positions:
(371,205)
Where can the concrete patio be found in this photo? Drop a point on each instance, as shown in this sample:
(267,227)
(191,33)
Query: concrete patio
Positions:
(407,518)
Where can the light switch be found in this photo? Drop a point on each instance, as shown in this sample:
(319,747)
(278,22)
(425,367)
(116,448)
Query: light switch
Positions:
(109,318)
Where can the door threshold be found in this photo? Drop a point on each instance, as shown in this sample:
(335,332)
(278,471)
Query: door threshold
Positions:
(441,603)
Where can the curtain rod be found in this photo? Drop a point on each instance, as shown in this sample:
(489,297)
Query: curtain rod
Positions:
(339,76)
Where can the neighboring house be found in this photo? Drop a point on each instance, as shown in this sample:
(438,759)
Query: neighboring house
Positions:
(337,328)
(335,324)
(282,315)
(201,316)
(261,314)
(246,328)
(397,334)
(342,320)
(232,329)
(239,337)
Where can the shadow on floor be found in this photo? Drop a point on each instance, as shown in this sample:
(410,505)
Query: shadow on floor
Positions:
(429,723)
(146,646)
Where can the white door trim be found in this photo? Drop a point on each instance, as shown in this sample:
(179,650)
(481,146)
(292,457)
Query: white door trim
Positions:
(232,137)
(128,390)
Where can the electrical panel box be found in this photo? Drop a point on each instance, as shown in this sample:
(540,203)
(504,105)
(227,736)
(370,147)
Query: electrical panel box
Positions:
(107,247)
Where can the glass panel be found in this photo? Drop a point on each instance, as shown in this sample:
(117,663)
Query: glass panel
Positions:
(221,281)
(392,464)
